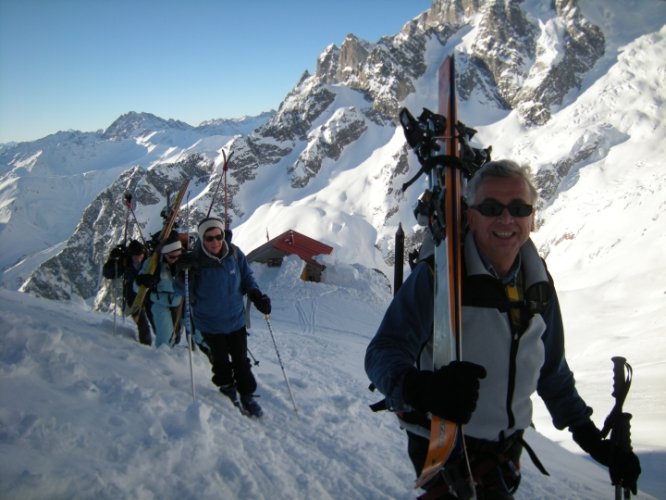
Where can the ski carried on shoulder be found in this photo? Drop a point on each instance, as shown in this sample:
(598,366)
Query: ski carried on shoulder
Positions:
(441,143)
(164,234)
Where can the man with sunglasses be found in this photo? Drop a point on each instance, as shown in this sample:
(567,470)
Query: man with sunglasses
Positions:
(219,279)
(512,345)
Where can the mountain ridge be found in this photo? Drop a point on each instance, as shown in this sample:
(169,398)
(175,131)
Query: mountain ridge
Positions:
(337,128)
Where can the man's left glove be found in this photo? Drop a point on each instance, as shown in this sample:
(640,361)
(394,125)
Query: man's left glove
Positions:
(623,466)
(260,300)
(186,261)
(118,252)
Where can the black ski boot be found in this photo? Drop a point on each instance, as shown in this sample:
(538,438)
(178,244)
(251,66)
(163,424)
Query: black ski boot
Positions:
(250,407)
(230,392)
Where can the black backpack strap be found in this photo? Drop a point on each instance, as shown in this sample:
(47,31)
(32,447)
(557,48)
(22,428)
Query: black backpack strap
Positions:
(533,456)
(379,405)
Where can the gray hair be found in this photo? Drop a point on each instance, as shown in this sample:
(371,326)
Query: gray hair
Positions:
(500,168)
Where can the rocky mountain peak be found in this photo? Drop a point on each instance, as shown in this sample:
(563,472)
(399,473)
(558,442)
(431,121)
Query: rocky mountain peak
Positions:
(135,124)
(525,57)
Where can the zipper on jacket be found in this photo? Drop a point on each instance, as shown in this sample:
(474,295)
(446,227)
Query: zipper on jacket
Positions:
(513,293)
(515,339)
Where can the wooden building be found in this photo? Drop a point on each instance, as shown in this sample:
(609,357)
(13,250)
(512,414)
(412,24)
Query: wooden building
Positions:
(292,243)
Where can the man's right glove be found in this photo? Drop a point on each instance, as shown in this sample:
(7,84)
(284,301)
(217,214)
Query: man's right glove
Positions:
(186,261)
(623,466)
(450,392)
(260,300)
(147,280)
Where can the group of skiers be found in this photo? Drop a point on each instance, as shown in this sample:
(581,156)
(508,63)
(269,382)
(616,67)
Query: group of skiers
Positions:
(218,278)
(513,341)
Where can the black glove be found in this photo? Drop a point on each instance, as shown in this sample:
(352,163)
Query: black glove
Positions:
(623,466)
(117,253)
(260,300)
(186,261)
(147,280)
(450,392)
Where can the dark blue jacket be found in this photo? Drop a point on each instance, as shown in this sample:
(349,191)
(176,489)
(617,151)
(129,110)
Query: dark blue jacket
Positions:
(217,290)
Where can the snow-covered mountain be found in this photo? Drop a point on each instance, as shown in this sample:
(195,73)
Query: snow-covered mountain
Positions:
(527,75)
(47,184)
(574,88)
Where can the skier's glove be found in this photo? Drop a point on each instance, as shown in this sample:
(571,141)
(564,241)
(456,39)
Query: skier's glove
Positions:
(117,253)
(147,280)
(623,466)
(186,261)
(260,300)
(450,392)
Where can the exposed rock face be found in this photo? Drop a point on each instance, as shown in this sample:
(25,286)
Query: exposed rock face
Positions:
(76,271)
(327,142)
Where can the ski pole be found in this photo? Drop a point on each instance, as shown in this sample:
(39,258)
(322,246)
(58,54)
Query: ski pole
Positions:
(188,317)
(270,329)
(254,360)
(225,167)
(188,326)
(115,294)
(129,202)
(617,422)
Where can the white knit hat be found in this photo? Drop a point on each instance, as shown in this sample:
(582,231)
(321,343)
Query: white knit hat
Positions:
(209,223)
(171,244)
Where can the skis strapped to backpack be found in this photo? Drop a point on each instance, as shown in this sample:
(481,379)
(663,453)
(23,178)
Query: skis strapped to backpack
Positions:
(155,257)
(442,146)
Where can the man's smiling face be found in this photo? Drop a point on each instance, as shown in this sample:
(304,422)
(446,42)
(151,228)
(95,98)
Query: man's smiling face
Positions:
(500,237)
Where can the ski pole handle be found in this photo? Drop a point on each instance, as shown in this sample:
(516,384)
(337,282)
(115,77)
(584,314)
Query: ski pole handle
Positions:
(622,373)
(621,381)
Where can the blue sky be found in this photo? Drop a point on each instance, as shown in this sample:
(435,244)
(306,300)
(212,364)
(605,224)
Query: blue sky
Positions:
(79,64)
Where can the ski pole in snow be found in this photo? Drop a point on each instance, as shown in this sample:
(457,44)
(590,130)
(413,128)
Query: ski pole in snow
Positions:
(188,327)
(254,360)
(270,329)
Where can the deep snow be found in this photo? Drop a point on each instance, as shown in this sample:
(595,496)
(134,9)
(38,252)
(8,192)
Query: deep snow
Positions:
(89,413)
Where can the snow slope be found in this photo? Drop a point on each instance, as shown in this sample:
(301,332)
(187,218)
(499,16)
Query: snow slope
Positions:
(89,413)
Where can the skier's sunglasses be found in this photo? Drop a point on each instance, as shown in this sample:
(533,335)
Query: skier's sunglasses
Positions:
(495,209)
(173,255)
(210,239)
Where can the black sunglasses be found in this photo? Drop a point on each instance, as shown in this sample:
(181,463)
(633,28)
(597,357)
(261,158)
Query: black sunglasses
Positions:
(217,237)
(495,209)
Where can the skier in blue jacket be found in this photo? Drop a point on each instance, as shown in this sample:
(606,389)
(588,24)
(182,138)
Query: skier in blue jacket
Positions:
(219,280)
(512,343)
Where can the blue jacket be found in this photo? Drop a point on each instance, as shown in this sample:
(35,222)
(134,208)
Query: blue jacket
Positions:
(217,287)
(516,365)
(166,292)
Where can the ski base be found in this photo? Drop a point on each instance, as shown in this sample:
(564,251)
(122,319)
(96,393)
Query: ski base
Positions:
(442,441)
